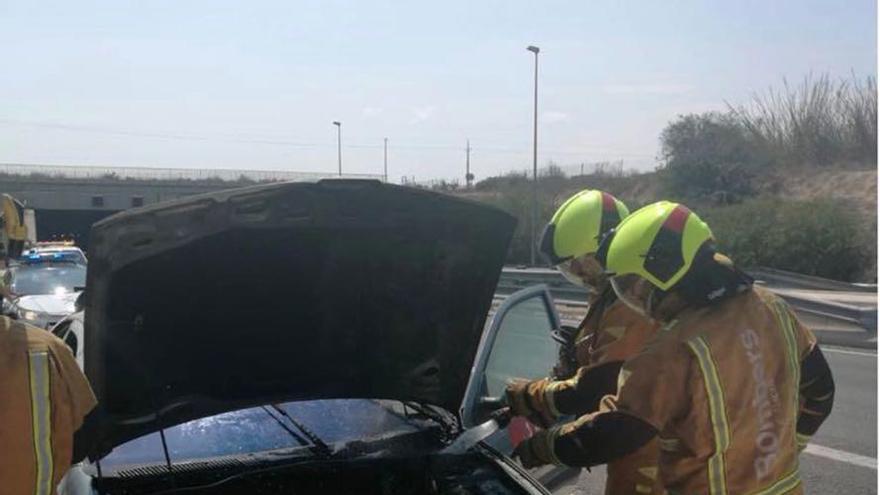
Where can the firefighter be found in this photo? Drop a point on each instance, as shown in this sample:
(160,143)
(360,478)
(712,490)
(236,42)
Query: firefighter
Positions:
(733,385)
(5,290)
(44,398)
(592,354)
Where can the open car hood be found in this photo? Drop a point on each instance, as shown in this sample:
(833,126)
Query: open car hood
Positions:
(296,291)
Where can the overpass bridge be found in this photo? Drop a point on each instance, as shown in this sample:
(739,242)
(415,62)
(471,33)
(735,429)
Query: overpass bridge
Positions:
(67,200)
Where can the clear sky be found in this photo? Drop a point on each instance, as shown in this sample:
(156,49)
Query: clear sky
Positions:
(256,84)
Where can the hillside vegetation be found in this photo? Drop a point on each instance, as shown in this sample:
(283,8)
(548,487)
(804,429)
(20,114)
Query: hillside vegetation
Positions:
(788,181)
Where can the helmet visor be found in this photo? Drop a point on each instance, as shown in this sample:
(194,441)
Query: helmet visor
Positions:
(634,291)
(567,270)
(584,271)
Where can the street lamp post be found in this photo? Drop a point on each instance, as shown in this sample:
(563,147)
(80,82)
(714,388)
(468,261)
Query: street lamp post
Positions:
(339,144)
(534,237)
(385,160)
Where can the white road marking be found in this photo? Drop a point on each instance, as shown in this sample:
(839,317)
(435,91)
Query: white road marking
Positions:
(839,455)
(840,350)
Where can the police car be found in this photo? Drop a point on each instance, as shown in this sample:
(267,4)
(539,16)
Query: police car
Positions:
(64,249)
(47,285)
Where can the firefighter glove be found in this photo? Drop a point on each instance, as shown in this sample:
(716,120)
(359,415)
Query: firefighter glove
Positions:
(529,399)
(538,450)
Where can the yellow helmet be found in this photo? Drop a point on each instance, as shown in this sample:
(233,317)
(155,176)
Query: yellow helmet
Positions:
(658,243)
(578,225)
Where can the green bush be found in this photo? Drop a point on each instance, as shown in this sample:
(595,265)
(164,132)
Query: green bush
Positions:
(709,155)
(822,122)
(825,238)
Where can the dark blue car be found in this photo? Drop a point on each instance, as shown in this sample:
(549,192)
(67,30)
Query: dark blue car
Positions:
(305,338)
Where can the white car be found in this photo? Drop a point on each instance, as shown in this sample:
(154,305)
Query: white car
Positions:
(64,251)
(47,291)
(70,330)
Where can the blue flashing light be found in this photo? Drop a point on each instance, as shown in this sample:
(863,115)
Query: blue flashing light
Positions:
(37,258)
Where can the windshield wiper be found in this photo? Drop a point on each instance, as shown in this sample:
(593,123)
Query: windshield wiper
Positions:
(296,436)
(448,424)
(321,448)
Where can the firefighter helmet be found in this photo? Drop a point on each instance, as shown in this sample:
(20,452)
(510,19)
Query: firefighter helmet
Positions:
(578,225)
(658,243)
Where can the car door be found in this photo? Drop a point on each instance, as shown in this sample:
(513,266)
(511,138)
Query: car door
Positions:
(517,343)
(70,330)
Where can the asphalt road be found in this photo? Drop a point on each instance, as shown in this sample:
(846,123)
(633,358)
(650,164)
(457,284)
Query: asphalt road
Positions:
(842,458)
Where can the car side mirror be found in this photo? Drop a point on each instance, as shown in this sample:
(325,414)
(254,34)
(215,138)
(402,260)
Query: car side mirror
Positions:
(80,303)
(564,335)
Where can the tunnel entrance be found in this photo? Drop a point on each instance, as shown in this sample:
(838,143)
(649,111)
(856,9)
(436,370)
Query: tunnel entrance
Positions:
(68,224)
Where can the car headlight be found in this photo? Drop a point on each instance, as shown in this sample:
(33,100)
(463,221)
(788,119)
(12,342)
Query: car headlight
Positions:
(28,315)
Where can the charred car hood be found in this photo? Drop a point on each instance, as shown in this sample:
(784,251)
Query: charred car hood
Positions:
(335,289)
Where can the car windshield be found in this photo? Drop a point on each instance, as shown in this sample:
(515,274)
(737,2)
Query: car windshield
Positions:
(261,429)
(48,278)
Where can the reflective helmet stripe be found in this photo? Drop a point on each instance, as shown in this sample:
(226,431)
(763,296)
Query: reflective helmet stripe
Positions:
(41,414)
(664,258)
(677,218)
(610,216)
(608,203)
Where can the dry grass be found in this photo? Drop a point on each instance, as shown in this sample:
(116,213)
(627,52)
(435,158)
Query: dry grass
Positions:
(821,121)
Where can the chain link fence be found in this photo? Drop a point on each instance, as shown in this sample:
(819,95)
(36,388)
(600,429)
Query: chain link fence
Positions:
(66,172)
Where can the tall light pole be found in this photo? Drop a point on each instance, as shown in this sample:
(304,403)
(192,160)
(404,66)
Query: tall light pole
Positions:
(339,143)
(468,177)
(534,238)
(386,160)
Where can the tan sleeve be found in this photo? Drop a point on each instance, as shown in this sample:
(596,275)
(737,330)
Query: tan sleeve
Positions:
(653,386)
(582,393)
(622,334)
(78,393)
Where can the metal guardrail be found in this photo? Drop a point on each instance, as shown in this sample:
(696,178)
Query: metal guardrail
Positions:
(514,279)
(781,278)
(863,317)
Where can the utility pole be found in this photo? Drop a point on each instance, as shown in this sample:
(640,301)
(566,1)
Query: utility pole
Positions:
(386,160)
(467,165)
(534,239)
(339,143)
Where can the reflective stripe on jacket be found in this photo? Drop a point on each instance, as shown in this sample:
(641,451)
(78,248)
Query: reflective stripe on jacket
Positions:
(45,397)
(721,387)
